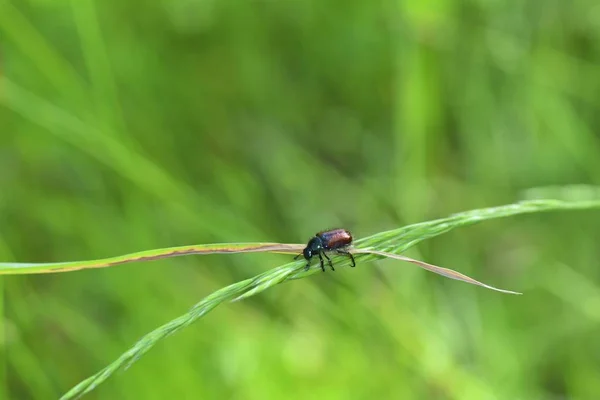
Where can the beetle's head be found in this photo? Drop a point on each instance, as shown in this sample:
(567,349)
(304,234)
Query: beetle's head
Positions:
(308,253)
(314,246)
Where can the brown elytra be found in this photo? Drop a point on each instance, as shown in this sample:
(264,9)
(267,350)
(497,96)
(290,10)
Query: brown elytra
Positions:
(335,239)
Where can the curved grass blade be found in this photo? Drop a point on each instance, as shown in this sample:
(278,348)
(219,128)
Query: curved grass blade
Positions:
(448,273)
(150,255)
(399,240)
(149,340)
(394,241)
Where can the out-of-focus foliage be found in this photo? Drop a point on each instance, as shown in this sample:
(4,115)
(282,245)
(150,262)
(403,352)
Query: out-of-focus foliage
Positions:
(133,125)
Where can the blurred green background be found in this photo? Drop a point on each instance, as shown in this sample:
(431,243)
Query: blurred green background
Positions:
(131,125)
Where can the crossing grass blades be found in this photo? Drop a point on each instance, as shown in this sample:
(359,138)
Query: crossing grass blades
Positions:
(389,244)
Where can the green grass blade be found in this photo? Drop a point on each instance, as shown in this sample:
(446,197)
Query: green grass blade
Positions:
(393,241)
(150,255)
(398,240)
(149,340)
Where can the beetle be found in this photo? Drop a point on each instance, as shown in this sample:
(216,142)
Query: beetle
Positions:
(337,240)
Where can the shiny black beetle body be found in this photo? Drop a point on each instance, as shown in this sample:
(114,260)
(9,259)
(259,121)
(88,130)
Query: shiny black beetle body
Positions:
(336,240)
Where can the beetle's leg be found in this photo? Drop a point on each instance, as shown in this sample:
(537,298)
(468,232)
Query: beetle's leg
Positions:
(322,264)
(349,255)
(307,267)
(329,261)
